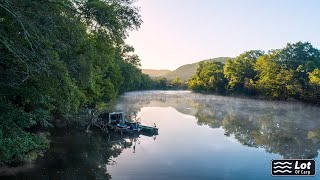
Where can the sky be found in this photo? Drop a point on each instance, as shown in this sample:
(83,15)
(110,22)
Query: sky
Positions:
(178,32)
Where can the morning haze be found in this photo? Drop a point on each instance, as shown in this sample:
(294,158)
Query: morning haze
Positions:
(181,32)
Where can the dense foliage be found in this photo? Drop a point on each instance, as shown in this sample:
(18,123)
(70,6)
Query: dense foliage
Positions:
(163,83)
(288,73)
(239,70)
(209,77)
(57,56)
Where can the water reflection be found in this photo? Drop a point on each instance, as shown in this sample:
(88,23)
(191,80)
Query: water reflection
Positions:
(75,154)
(289,129)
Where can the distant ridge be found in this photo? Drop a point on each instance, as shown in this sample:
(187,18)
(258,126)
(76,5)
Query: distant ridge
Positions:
(155,72)
(184,72)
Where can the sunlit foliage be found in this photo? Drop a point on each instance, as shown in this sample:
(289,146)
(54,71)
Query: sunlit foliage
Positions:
(209,78)
(240,70)
(288,73)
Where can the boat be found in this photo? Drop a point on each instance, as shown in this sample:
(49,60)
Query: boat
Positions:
(148,129)
(126,124)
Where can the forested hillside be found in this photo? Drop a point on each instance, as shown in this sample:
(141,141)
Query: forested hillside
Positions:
(153,73)
(57,56)
(186,71)
(288,73)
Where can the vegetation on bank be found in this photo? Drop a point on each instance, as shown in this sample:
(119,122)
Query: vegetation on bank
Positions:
(58,56)
(292,72)
(165,84)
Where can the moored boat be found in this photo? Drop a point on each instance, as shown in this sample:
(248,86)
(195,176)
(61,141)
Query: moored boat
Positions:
(125,123)
(149,129)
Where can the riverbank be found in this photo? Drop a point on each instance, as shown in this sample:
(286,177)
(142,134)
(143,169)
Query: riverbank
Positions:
(260,97)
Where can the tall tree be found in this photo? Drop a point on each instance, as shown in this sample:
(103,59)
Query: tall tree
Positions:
(240,70)
(301,57)
(273,80)
(209,77)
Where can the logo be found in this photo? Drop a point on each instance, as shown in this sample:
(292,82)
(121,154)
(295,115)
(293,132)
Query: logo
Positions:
(293,167)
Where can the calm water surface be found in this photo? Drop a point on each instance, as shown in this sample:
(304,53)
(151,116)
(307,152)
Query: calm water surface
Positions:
(200,137)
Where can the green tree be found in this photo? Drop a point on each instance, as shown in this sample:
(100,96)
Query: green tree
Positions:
(273,80)
(177,83)
(240,70)
(209,77)
(313,92)
(314,77)
(162,83)
(301,57)
(195,82)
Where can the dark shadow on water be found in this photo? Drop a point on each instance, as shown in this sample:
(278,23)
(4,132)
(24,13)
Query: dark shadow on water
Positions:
(74,154)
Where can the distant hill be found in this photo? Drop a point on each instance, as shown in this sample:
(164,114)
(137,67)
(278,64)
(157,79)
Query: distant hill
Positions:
(186,71)
(155,73)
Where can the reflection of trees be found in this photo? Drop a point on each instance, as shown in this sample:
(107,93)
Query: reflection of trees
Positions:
(265,132)
(270,126)
(79,155)
(133,102)
(287,129)
(314,135)
(237,126)
(207,116)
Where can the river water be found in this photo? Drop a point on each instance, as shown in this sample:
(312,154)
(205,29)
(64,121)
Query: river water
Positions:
(200,137)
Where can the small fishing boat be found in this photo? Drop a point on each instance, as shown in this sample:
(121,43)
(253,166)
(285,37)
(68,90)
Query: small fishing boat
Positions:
(149,129)
(125,123)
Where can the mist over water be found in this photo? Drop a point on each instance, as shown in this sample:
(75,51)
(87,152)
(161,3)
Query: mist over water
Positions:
(200,137)
(209,136)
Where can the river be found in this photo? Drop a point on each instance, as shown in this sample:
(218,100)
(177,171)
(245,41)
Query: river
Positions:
(200,137)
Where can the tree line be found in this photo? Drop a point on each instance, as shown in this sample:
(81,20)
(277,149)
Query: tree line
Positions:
(163,83)
(56,57)
(292,72)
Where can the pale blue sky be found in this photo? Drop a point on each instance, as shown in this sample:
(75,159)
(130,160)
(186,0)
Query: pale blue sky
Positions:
(177,32)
